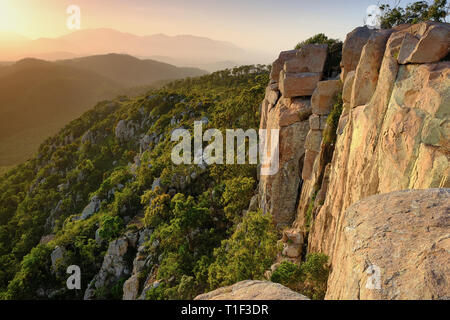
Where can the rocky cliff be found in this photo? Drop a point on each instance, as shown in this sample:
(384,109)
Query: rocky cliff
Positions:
(382,126)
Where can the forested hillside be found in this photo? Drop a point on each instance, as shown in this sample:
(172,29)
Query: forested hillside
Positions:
(108,176)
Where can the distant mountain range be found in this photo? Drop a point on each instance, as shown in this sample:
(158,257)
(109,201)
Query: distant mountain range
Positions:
(38,97)
(185,50)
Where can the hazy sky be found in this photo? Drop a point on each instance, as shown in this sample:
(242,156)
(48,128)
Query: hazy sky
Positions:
(265,25)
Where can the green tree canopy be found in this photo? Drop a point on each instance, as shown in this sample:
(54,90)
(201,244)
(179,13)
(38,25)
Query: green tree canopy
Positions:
(414,12)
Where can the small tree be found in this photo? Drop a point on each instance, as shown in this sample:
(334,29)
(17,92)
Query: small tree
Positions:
(413,13)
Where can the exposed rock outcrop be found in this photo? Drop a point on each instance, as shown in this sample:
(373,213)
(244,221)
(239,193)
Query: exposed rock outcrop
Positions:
(57,256)
(394,246)
(252,290)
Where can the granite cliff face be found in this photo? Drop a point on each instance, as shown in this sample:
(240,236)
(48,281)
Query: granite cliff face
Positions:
(392,135)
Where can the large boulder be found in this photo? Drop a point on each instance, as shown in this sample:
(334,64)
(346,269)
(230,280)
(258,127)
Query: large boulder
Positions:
(425,43)
(394,246)
(253,290)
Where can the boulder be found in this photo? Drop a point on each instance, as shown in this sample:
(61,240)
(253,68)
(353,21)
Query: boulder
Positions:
(278,65)
(293,113)
(324,96)
(309,59)
(131,288)
(298,84)
(252,290)
(314,122)
(428,42)
(394,246)
(352,48)
(303,107)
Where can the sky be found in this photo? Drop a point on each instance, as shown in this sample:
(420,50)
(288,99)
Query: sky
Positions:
(263,25)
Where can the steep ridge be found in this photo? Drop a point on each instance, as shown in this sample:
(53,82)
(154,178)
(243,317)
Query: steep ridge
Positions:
(37,98)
